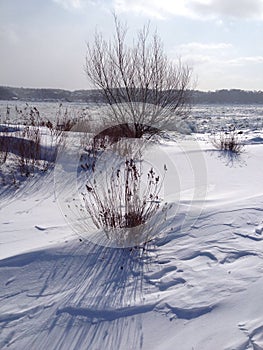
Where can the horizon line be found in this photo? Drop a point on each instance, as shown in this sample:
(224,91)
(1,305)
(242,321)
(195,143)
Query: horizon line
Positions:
(90,89)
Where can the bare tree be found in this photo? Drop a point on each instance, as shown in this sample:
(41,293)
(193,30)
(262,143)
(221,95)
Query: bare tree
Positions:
(144,90)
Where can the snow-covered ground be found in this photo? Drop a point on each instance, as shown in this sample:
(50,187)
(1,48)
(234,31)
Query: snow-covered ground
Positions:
(197,286)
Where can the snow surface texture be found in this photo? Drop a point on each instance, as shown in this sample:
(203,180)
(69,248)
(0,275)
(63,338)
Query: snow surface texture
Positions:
(198,285)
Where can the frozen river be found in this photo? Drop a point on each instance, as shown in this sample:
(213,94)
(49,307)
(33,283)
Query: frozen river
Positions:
(203,118)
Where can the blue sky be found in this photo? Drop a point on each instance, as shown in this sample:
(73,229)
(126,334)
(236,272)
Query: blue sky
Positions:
(43,43)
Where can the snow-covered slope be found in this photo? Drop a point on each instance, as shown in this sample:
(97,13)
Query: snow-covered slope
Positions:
(198,285)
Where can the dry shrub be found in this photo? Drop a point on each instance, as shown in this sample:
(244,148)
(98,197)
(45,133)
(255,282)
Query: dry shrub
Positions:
(30,146)
(138,82)
(124,202)
(229,141)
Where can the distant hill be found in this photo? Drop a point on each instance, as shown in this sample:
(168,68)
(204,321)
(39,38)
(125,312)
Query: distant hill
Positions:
(49,95)
(233,96)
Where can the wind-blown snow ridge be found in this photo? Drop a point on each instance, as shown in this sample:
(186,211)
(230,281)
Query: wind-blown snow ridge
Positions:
(188,314)
(107,314)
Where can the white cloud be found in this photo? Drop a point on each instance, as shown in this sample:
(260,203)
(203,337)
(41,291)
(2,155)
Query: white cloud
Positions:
(202,9)
(84,6)
(228,8)
(153,8)
(217,54)
(197,46)
(219,65)
(246,60)
(197,53)
(69,4)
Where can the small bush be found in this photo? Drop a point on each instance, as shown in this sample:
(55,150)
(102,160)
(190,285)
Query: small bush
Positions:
(124,202)
(229,141)
(30,145)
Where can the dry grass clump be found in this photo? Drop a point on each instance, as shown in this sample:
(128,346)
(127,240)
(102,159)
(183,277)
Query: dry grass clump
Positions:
(30,116)
(30,143)
(229,141)
(124,200)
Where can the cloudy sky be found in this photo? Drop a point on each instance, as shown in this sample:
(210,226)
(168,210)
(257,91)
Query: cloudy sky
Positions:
(43,43)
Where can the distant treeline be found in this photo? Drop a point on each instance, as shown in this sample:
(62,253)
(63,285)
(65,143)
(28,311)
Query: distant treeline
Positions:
(49,95)
(233,96)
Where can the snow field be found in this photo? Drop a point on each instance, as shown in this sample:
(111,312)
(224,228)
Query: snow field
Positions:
(197,286)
